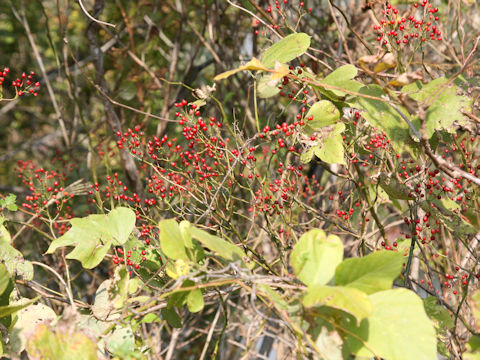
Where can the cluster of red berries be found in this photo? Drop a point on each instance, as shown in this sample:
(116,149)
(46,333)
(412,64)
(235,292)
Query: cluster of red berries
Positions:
(396,30)
(23,85)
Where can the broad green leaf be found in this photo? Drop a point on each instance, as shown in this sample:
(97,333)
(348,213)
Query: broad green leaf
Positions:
(315,257)
(13,259)
(273,295)
(93,235)
(473,347)
(330,344)
(172,318)
(121,342)
(89,253)
(221,247)
(324,113)
(4,278)
(438,313)
(48,345)
(476,307)
(11,309)
(186,230)
(267,86)
(119,290)
(171,240)
(307,155)
(151,318)
(287,49)
(372,273)
(103,307)
(446,211)
(5,237)
(342,78)
(27,320)
(331,149)
(397,329)
(393,188)
(85,234)
(195,301)
(177,268)
(445,106)
(348,299)
(384,117)
(120,223)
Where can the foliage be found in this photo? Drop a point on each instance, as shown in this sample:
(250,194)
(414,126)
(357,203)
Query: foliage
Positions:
(192,171)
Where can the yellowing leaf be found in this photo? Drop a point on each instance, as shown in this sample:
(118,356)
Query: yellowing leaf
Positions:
(381,63)
(280,71)
(406,78)
(387,62)
(253,64)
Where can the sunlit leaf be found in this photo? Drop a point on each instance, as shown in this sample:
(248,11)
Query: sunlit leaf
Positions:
(315,257)
(171,240)
(371,273)
(348,299)
(398,319)
(287,49)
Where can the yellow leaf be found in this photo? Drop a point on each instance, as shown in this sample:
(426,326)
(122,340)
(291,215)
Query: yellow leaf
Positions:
(406,78)
(388,62)
(253,64)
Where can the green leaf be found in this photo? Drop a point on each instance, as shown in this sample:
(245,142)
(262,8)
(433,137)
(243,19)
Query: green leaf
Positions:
(85,234)
(186,230)
(393,187)
(332,151)
(195,301)
(171,240)
(330,344)
(172,318)
(103,307)
(4,278)
(372,273)
(120,223)
(473,347)
(11,309)
(438,313)
(447,212)
(397,329)
(342,78)
(89,253)
(150,318)
(93,235)
(348,299)
(446,107)
(49,345)
(27,320)
(267,86)
(476,307)
(5,237)
(273,295)
(285,50)
(121,342)
(324,113)
(315,257)
(307,155)
(9,202)
(13,259)
(382,116)
(221,247)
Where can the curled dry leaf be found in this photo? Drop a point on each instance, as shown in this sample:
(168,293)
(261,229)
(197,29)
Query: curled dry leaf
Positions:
(379,62)
(407,78)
